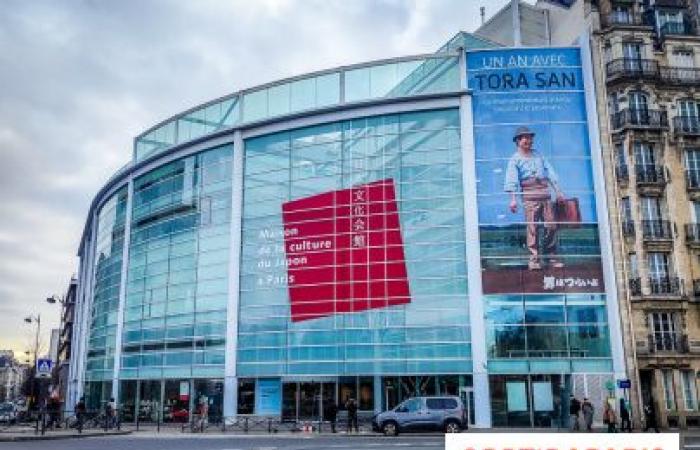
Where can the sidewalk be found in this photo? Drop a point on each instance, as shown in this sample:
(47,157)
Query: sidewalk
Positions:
(29,434)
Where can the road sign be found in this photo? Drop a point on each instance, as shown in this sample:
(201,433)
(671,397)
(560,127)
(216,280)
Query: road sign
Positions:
(43,368)
(624,384)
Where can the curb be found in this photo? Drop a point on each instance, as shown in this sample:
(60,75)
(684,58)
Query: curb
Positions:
(49,437)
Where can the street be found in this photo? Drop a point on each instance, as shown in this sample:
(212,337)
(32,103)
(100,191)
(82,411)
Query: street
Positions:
(177,442)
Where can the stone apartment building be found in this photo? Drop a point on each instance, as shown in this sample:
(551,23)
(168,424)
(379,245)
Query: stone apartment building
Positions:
(11,376)
(646,60)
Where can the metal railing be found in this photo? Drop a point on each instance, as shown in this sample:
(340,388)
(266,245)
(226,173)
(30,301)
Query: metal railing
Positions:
(639,118)
(686,125)
(665,286)
(635,286)
(682,28)
(622,172)
(623,18)
(632,68)
(627,228)
(649,174)
(668,342)
(656,230)
(680,75)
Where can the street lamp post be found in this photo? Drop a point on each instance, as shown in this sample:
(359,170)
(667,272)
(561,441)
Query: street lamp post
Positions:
(36,319)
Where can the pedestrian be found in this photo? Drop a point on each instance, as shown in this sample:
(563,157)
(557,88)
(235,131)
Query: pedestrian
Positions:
(203,413)
(529,174)
(650,416)
(110,413)
(574,409)
(331,413)
(351,407)
(625,422)
(588,410)
(609,417)
(80,410)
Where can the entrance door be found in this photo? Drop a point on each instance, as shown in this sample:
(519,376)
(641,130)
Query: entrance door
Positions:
(467,396)
(306,400)
(538,401)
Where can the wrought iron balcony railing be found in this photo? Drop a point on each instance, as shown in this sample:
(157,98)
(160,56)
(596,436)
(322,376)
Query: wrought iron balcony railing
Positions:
(632,68)
(680,75)
(624,18)
(653,230)
(665,285)
(668,342)
(622,172)
(635,286)
(676,28)
(686,125)
(650,174)
(639,118)
(627,228)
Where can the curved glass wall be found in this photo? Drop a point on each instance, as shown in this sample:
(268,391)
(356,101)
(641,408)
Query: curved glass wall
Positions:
(105,301)
(177,288)
(428,332)
(403,78)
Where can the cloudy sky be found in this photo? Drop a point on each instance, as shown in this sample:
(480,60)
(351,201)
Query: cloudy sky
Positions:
(81,78)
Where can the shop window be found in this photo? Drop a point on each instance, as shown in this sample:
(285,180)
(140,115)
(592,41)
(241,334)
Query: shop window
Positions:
(246,396)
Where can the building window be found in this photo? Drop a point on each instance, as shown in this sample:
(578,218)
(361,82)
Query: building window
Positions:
(626,212)
(692,168)
(632,50)
(246,396)
(607,52)
(663,331)
(682,58)
(689,391)
(669,394)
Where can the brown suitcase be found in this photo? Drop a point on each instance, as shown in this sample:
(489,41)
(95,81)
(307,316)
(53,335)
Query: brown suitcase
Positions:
(567,213)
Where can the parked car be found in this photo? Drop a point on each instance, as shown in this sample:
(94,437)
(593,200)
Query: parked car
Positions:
(423,414)
(8,413)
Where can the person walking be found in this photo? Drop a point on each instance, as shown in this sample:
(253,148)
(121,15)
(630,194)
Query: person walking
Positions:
(650,416)
(351,407)
(609,417)
(529,174)
(110,413)
(574,409)
(588,410)
(332,413)
(80,410)
(625,422)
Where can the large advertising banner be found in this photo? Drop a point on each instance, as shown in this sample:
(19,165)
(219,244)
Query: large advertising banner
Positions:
(537,218)
(344,251)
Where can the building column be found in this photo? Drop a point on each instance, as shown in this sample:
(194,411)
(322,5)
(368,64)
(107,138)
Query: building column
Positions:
(482,399)
(231,355)
(378,404)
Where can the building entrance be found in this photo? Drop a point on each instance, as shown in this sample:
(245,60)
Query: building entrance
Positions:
(306,400)
(538,401)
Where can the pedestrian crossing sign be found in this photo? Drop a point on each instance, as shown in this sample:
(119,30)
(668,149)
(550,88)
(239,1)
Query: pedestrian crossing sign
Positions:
(43,368)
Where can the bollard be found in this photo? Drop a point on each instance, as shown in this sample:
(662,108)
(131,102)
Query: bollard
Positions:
(269,425)
(137,420)
(245,425)
(43,423)
(158,421)
(223,424)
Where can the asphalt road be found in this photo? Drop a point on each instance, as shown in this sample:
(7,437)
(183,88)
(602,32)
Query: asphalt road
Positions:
(178,442)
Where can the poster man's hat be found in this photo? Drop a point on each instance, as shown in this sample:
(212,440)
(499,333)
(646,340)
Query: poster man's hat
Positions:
(522,131)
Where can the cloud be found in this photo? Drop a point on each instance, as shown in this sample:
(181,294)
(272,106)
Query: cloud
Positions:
(81,79)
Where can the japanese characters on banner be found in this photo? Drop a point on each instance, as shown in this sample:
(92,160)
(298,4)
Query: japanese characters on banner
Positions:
(537,212)
(344,251)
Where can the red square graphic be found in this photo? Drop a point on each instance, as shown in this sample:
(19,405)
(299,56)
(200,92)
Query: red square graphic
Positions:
(345,251)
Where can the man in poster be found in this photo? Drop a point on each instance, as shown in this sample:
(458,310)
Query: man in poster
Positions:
(531,175)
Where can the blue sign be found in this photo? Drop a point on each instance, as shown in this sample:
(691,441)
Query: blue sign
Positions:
(624,384)
(268,397)
(43,368)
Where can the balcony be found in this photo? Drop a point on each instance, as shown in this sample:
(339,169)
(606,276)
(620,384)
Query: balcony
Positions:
(622,173)
(623,19)
(686,126)
(680,76)
(650,179)
(628,228)
(665,286)
(639,119)
(668,343)
(635,287)
(632,69)
(656,230)
(692,235)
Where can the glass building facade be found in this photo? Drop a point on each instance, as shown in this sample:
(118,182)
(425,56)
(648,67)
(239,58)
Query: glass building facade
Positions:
(318,239)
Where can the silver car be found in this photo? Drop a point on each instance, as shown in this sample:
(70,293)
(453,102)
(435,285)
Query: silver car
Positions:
(423,414)
(8,413)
